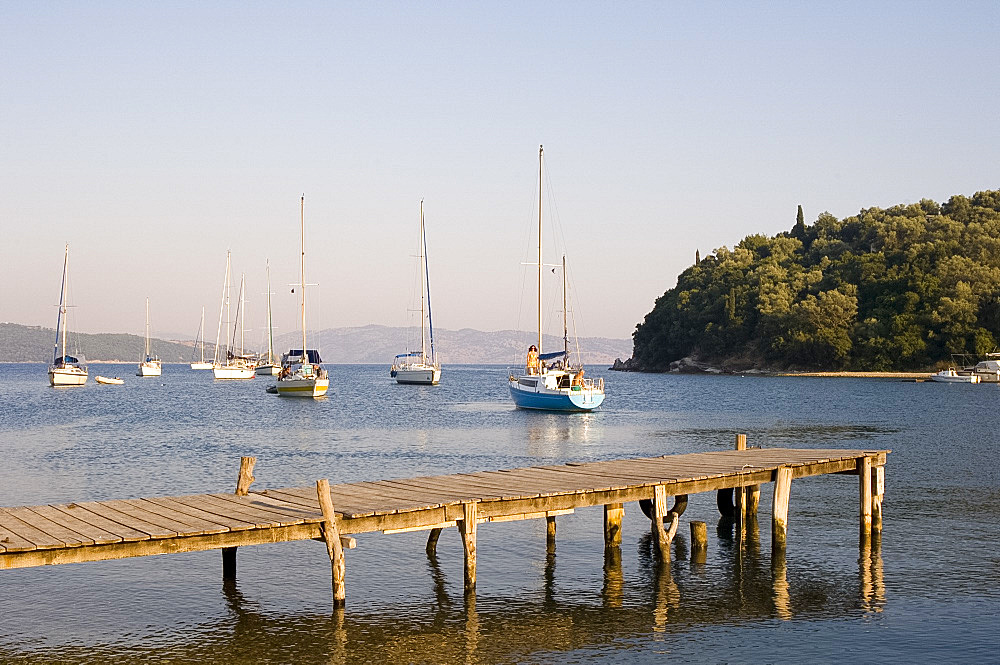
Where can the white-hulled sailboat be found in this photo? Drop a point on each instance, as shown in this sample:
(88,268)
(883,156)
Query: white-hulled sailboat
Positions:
(199,343)
(225,363)
(150,365)
(557,385)
(301,373)
(414,367)
(65,370)
(269,365)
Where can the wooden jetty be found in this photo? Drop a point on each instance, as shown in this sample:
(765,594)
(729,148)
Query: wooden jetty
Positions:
(100,530)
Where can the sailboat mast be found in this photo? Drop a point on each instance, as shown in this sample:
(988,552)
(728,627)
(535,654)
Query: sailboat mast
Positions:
(216,359)
(241,312)
(201,334)
(147,331)
(427,276)
(420,250)
(302,268)
(539,250)
(565,327)
(229,318)
(270,327)
(61,323)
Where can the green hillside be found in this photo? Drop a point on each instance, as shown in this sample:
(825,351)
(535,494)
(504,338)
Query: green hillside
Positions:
(895,289)
(35,344)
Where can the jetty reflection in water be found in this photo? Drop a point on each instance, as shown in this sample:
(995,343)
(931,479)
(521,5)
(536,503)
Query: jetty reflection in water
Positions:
(739,585)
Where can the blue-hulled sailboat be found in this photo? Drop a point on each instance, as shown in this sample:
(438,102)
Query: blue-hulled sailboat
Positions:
(550,381)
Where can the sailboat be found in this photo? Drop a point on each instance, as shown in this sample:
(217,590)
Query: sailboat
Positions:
(65,370)
(226,364)
(268,365)
(199,343)
(301,373)
(550,382)
(150,365)
(414,367)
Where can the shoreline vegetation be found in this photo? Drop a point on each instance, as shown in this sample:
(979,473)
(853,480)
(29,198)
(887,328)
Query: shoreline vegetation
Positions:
(911,287)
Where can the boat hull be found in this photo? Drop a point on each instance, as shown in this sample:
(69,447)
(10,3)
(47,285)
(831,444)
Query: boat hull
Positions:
(294,387)
(149,369)
(427,375)
(67,376)
(268,370)
(205,365)
(109,381)
(955,378)
(555,400)
(232,372)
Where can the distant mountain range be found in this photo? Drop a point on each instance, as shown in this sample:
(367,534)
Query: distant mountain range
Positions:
(365,344)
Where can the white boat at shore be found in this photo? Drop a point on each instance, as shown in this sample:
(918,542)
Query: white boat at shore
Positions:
(65,370)
(950,375)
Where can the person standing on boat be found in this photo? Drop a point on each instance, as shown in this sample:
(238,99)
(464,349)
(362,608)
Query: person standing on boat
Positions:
(532,367)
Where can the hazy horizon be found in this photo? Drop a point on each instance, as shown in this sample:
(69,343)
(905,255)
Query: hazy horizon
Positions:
(154,138)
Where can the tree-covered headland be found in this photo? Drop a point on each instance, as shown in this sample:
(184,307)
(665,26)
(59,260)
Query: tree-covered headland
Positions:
(902,288)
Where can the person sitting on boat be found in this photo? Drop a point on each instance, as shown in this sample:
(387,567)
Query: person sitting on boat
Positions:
(578,379)
(532,359)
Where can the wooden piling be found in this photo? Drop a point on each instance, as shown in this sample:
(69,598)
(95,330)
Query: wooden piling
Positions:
(779,508)
(878,492)
(467,527)
(550,533)
(613,514)
(865,486)
(432,542)
(740,494)
(243,482)
(331,534)
(699,542)
(664,534)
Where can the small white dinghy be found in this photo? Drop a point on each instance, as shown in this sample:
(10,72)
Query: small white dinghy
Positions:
(115,381)
(951,376)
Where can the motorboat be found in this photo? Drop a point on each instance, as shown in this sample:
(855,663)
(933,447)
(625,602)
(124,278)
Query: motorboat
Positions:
(951,375)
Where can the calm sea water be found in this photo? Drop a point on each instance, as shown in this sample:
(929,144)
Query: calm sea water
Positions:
(930,592)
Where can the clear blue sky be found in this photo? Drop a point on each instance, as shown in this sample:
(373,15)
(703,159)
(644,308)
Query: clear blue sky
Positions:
(155,136)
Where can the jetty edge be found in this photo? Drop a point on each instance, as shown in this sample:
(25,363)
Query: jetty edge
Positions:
(100,530)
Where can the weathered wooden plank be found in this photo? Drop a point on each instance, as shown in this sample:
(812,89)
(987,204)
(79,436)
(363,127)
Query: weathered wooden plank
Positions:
(195,525)
(10,560)
(130,521)
(259,518)
(57,531)
(248,504)
(370,502)
(12,542)
(345,505)
(229,521)
(173,526)
(465,487)
(94,534)
(79,512)
(38,538)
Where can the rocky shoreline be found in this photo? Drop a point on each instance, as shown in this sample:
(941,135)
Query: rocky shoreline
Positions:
(692,365)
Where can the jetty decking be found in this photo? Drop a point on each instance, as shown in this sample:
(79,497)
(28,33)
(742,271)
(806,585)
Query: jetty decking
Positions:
(100,530)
